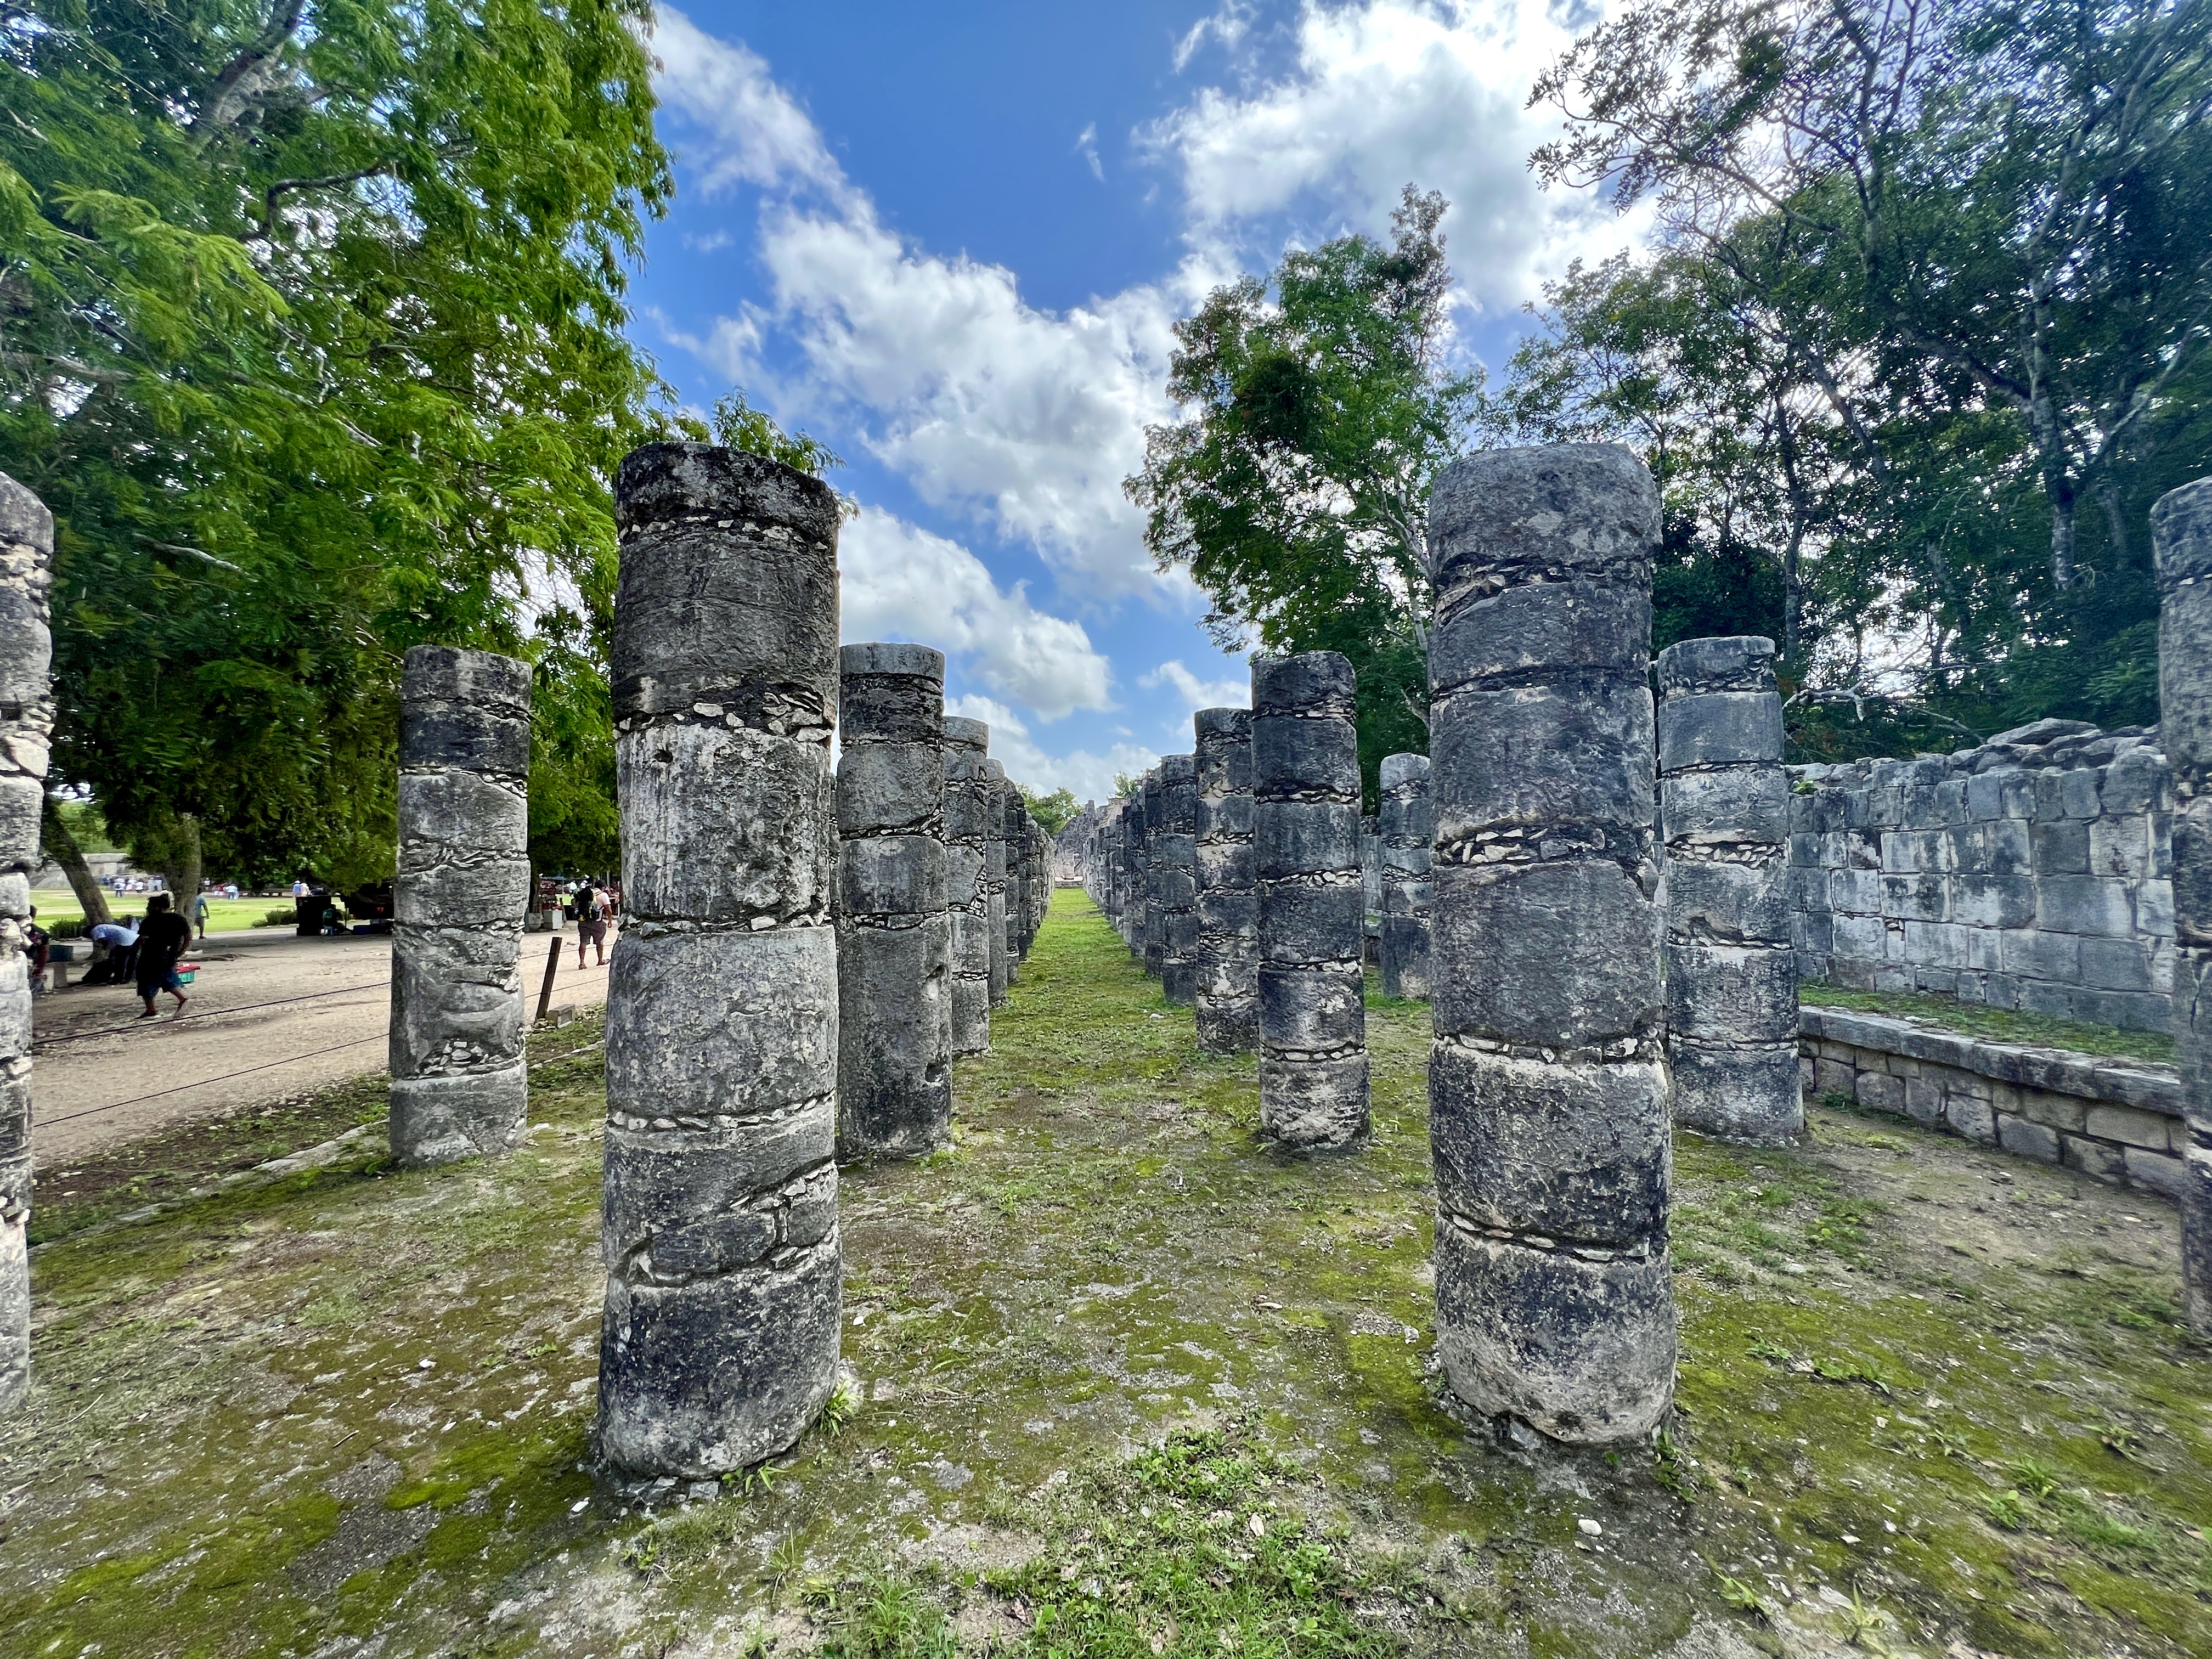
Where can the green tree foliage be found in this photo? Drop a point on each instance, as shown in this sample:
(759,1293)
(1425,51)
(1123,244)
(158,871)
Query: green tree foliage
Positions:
(1295,491)
(311,336)
(738,425)
(1053,811)
(1930,288)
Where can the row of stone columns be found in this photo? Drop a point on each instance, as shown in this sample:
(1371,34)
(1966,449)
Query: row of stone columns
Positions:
(1226,955)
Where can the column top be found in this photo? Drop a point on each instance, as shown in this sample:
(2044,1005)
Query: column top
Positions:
(882,656)
(1738,662)
(2181,534)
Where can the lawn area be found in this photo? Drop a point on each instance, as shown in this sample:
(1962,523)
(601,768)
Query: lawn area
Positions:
(1122,1383)
(56,904)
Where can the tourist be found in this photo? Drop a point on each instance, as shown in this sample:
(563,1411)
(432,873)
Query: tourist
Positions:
(592,912)
(200,912)
(162,941)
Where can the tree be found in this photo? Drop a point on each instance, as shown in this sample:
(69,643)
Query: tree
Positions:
(1296,491)
(1053,811)
(311,334)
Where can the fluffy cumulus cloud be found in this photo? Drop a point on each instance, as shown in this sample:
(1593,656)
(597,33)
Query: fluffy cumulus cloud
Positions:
(1379,95)
(1198,692)
(1086,776)
(900,582)
(753,132)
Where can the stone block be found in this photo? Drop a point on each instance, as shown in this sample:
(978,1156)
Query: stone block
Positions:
(2120,845)
(1916,897)
(1720,728)
(1996,846)
(1835,1077)
(2026,1139)
(2116,964)
(2080,789)
(2085,904)
(1936,944)
(2055,1111)
(2132,782)
(2061,847)
(1986,901)
(2155,906)
(2039,996)
(1856,892)
(2130,1010)
(1923,1099)
(1536,755)
(2128,1126)
(1552,984)
(2093,1159)
(1971,1117)
(2030,953)
(2156,1172)
(1984,955)
(1879,1091)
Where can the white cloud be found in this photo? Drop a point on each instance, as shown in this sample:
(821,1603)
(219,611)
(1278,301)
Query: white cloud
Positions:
(1384,92)
(899,582)
(1198,693)
(1086,776)
(758,134)
(1227,26)
(1086,146)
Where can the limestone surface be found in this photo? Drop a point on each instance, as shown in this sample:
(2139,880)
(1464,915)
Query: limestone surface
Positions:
(1548,1116)
(894,931)
(1175,878)
(27,724)
(1155,943)
(1312,910)
(996,789)
(967,791)
(460,1083)
(2181,538)
(719,1339)
(1731,970)
(1407,829)
(1227,953)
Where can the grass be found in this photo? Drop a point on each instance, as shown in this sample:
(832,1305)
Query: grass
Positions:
(1998,1025)
(59,904)
(1124,1384)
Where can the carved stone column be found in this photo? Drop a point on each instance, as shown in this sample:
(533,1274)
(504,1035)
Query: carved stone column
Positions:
(1408,829)
(1228,955)
(967,802)
(1175,882)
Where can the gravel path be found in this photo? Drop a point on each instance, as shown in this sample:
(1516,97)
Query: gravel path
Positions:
(271,1015)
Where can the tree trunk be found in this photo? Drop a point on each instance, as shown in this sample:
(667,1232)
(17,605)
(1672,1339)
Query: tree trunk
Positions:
(180,864)
(62,848)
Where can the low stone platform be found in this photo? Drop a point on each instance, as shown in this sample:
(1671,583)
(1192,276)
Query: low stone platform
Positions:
(2118,1120)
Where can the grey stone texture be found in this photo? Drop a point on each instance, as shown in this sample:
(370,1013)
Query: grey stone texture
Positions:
(1305,840)
(894,929)
(460,1081)
(1176,876)
(1155,940)
(1549,1117)
(2181,540)
(1227,958)
(2032,871)
(718,1343)
(2118,1121)
(1374,887)
(26,725)
(996,789)
(967,807)
(1731,969)
(1408,827)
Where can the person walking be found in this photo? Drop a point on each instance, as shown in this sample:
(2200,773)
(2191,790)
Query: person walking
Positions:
(162,941)
(592,912)
(200,912)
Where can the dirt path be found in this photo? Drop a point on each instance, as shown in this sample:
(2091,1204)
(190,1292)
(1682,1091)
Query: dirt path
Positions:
(271,1016)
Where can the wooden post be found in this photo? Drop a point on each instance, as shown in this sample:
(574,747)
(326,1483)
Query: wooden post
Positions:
(552,961)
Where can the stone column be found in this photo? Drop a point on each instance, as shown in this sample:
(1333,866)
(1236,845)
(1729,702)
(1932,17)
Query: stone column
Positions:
(967,792)
(894,933)
(1228,954)
(719,1344)
(1014,817)
(2181,539)
(1547,1082)
(1408,830)
(460,1081)
(994,874)
(27,724)
(1305,834)
(1156,909)
(1176,863)
(1731,972)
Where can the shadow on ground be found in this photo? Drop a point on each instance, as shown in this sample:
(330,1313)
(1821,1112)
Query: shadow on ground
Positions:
(1124,1384)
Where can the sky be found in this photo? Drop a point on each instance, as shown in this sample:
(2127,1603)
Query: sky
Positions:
(952,241)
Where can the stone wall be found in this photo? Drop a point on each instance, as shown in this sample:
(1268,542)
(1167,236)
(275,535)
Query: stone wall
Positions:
(2031,872)
(2117,1120)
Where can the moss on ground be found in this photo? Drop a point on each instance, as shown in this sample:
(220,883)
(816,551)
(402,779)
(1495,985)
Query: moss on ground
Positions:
(1978,1019)
(1126,1384)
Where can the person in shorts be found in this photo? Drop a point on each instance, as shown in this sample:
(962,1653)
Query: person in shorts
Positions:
(591,910)
(162,942)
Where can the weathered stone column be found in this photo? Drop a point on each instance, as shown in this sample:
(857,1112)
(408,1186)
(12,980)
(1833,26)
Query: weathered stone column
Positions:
(1408,831)
(2181,538)
(1156,909)
(894,933)
(1133,872)
(1305,834)
(1731,972)
(994,874)
(1228,954)
(460,1082)
(1547,1083)
(1016,819)
(26,725)
(967,804)
(1175,878)
(719,1344)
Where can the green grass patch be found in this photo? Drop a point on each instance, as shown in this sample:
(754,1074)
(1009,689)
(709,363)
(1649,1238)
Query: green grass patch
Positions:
(1978,1019)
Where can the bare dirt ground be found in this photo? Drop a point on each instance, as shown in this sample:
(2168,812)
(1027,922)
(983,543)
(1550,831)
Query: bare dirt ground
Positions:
(271,1016)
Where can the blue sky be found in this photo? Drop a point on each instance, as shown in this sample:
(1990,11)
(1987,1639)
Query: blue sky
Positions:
(952,242)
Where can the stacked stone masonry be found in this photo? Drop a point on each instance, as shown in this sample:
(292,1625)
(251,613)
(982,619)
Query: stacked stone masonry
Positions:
(460,1080)
(1548,1120)
(996,789)
(2181,540)
(1306,864)
(27,724)
(2032,871)
(1731,973)
(1155,942)
(894,928)
(1407,829)
(1228,951)
(2119,1121)
(967,789)
(718,1343)
(1175,878)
